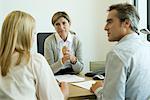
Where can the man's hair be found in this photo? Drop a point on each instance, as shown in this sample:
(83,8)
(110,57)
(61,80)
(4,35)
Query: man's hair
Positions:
(60,14)
(16,36)
(127,11)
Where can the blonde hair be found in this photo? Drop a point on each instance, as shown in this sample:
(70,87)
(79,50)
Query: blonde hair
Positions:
(16,36)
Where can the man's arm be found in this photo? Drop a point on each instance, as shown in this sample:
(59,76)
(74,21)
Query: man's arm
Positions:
(115,79)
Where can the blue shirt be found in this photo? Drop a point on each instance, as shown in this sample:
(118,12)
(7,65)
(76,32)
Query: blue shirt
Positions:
(127,70)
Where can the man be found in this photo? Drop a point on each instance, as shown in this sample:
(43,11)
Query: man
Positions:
(127,64)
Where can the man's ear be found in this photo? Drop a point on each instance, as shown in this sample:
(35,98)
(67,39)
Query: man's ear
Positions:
(127,23)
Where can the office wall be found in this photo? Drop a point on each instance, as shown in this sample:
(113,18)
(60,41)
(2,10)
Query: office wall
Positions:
(88,20)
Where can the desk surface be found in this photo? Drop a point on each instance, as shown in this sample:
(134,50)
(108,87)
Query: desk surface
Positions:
(76,93)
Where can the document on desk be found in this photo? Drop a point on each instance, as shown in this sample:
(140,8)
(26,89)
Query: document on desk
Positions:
(85,84)
(69,78)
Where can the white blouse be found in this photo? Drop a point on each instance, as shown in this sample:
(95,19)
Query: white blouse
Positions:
(61,43)
(34,81)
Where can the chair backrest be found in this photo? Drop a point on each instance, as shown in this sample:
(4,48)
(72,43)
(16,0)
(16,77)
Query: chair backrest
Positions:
(40,41)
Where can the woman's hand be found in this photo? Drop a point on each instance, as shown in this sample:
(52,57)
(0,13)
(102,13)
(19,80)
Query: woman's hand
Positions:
(65,89)
(68,56)
(73,59)
(65,49)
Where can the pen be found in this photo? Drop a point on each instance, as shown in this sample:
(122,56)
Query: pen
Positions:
(59,83)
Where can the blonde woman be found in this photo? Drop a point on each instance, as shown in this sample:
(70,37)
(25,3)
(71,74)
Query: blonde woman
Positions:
(63,49)
(23,75)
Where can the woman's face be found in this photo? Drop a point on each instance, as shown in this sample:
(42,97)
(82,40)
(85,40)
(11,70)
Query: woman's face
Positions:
(62,26)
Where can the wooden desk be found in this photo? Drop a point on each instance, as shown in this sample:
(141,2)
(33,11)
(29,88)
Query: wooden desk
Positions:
(78,93)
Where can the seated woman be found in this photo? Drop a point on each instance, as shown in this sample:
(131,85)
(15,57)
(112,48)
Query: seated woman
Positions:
(24,75)
(63,49)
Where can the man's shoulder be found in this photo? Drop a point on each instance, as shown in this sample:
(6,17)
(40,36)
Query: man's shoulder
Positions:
(127,49)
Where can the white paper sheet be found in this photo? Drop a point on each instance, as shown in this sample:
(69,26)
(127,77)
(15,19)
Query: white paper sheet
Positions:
(69,78)
(85,84)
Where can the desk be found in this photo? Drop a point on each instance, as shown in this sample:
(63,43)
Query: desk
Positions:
(78,93)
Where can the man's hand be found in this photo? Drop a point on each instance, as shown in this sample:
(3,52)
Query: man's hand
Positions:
(96,85)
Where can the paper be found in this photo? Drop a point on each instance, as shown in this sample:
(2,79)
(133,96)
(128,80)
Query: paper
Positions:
(85,84)
(69,78)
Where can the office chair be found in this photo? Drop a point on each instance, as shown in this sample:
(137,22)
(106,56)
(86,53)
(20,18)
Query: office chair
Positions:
(40,41)
(146,31)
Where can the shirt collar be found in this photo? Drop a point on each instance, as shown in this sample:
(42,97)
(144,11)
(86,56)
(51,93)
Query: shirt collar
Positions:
(70,37)
(129,36)
(59,39)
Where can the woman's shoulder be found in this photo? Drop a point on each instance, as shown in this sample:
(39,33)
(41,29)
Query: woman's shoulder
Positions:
(38,61)
(76,39)
(74,35)
(51,37)
(39,64)
(37,57)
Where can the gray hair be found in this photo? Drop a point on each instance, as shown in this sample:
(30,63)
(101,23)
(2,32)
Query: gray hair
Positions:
(127,11)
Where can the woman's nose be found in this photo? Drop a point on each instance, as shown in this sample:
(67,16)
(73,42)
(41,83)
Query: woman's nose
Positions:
(61,26)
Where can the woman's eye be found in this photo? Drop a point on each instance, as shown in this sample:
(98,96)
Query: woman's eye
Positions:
(64,23)
(57,24)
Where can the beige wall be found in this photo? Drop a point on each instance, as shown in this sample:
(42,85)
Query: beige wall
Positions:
(88,20)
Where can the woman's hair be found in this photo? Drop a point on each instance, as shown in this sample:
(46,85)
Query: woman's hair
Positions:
(127,11)
(60,14)
(16,36)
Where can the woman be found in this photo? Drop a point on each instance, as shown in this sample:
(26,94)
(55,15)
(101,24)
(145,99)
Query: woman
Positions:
(63,49)
(23,75)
